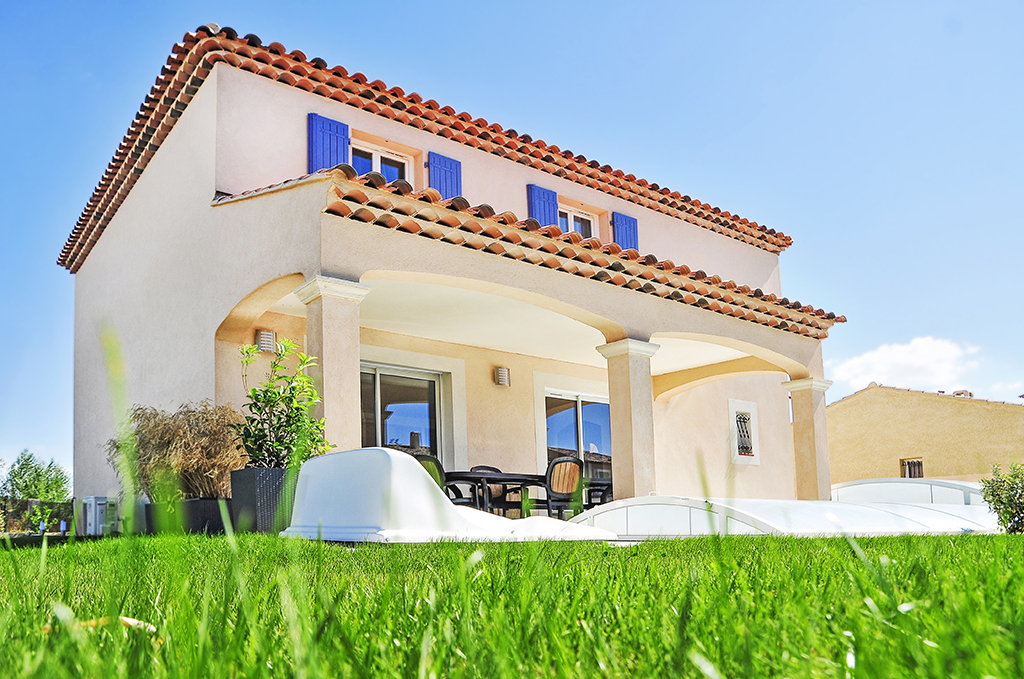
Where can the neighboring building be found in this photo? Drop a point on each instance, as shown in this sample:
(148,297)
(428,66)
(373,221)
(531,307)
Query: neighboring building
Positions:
(258,190)
(883,432)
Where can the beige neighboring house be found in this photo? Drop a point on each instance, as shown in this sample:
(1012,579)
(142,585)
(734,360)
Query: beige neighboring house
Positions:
(262,194)
(884,432)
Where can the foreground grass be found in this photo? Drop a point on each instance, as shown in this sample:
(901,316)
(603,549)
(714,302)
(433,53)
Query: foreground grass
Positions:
(732,607)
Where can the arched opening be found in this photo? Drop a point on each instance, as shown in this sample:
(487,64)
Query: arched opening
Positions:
(260,309)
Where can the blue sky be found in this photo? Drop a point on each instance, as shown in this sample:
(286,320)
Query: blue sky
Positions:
(885,138)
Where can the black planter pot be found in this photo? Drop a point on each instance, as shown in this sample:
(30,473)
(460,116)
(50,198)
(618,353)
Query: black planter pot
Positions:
(198,515)
(262,499)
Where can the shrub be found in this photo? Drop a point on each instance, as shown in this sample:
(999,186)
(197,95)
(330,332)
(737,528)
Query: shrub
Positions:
(279,430)
(31,478)
(1004,493)
(182,455)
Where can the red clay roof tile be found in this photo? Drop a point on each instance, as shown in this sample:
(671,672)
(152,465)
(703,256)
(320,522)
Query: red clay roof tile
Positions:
(193,58)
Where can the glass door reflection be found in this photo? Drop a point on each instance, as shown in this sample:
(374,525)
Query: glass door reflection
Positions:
(399,411)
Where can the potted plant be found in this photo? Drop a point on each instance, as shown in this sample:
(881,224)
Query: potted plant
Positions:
(181,461)
(277,435)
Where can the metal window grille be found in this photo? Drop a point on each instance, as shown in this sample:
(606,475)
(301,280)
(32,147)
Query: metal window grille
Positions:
(912,469)
(744,441)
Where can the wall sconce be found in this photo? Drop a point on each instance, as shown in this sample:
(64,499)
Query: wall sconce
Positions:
(266,340)
(502,376)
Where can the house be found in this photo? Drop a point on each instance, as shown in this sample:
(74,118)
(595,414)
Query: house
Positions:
(881,432)
(260,194)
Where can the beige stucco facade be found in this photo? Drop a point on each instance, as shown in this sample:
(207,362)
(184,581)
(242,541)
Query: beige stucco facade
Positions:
(954,437)
(190,265)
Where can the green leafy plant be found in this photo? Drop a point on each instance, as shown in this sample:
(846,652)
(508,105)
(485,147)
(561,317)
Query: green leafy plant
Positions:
(31,478)
(189,453)
(1004,493)
(39,513)
(279,430)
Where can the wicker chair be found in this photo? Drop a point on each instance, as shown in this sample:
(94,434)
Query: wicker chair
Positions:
(454,493)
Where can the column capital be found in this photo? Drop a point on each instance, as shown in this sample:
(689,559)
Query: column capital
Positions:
(812,383)
(339,288)
(628,346)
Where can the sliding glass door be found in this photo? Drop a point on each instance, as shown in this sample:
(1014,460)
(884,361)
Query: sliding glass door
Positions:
(399,409)
(579,426)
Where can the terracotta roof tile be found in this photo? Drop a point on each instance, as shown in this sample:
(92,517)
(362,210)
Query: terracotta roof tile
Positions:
(192,60)
(366,199)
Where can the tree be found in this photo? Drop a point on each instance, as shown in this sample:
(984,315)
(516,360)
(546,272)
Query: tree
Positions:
(31,478)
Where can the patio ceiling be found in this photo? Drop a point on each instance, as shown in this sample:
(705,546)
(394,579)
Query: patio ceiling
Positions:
(480,319)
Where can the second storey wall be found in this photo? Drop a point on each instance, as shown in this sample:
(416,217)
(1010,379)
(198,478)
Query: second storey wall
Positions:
(261,140)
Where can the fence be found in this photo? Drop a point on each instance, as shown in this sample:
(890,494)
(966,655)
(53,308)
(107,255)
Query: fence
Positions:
(23,516)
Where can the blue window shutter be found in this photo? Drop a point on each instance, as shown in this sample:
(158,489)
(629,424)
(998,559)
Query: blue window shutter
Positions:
(445,175)
(543,204)
(328,142)
(624,229)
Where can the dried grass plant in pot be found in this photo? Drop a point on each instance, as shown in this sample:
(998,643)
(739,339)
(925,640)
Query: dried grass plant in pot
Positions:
(278,434)
(182,462)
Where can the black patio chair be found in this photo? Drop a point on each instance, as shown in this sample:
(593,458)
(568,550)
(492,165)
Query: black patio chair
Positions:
(597,496)
(562,481)
(502,498)
(452,490)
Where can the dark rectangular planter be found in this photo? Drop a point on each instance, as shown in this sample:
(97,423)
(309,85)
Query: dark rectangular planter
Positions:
(261,499)
(198,515)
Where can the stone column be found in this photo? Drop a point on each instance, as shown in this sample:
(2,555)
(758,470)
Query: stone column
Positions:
(332,335)
(810,438)
(631,406)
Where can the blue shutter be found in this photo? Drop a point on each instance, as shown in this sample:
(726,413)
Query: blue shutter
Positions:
(624,229)
(328,142)
(543,204)
(445,175)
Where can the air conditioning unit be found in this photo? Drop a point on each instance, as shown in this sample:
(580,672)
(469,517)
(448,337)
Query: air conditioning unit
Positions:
(100,515)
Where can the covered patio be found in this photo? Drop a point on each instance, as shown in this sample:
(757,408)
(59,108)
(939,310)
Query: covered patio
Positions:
(607,355)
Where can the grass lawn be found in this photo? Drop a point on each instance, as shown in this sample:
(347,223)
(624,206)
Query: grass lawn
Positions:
(730,607)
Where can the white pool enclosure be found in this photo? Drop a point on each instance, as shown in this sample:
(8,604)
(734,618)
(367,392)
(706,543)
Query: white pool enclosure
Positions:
(382,495)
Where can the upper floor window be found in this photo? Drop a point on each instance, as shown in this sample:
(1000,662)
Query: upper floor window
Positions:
(583,223)
(331,142)
(549,208)
(371,158)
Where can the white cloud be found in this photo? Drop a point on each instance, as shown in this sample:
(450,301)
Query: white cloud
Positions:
(926,363)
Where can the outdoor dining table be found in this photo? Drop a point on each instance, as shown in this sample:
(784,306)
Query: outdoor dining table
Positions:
(511,479)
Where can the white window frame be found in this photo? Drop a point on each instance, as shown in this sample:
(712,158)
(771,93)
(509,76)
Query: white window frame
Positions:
(595,225)
(453,434)
(555,384)
(579,398)
(378,152)
(379,369)
(735,408)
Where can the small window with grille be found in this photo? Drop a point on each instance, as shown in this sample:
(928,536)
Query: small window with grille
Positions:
(744,444)
(912,468)
(743,432)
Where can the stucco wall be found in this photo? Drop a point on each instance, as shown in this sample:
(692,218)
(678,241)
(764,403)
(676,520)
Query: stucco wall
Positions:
(167,271)
(171,266)
(956,438)
(693,429)
(261,140)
